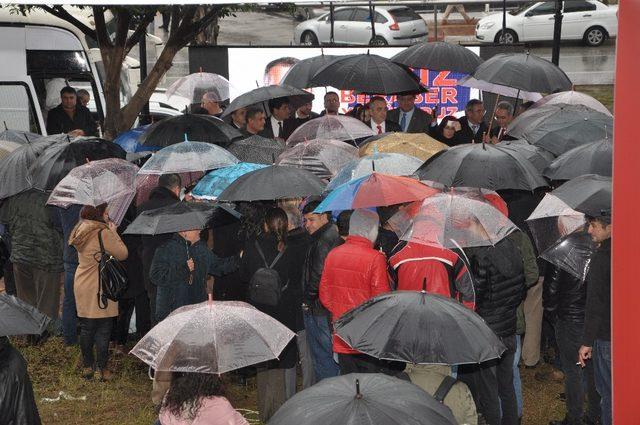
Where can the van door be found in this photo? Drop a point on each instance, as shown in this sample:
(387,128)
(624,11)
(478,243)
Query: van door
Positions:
(18,109)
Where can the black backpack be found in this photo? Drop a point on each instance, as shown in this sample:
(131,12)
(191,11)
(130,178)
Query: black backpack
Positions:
(265,286)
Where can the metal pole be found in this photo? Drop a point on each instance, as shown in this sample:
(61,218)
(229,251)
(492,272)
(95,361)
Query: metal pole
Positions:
(557,33)
(435,19)
(145,116)
(372,18)
(331,10)
(504,20)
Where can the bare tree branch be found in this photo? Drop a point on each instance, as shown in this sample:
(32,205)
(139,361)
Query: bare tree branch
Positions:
(60,12)
(102,36)
(123,18)
(141,30)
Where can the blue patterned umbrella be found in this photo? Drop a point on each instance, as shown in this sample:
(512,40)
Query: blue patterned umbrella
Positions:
(212,185)
(129,140)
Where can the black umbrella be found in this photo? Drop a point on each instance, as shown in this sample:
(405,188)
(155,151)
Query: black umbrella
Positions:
(181,216)
(589,194)
(367,73)
(15,169)
(300,74)
(58,159)
(297,97)
(256,149)
(20,318)
(195,127)
(417,327)
(481,165)
(592,158)
(363,399)
(539,157)
(439,56)
(523,71)
(275,182)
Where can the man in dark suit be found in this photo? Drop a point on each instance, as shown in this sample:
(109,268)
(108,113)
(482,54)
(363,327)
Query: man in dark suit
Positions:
(379,122)
(237,119)
(331,104)
(410,118)
(503,117)
(255,121)
(274,127)
(302,115)
(473,125)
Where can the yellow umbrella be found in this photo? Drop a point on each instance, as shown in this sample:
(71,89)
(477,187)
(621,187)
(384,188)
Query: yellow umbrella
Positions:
(415,144)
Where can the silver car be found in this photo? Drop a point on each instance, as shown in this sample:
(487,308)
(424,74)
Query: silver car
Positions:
(394,26)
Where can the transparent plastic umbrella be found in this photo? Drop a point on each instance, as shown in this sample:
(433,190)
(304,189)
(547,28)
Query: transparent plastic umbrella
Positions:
(110,181)
(15,169)
(188,157)
(19,136)
(193,86)
(213,337)
(335,127)
(6,147)
(322,157)
(395,164)
(572,97)
(458,221)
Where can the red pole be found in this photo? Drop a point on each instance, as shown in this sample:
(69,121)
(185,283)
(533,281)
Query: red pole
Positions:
(626,232)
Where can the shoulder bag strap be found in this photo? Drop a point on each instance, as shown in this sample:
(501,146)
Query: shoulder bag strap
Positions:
(100,240)
(278,257)
(261,254)
(445,386)
(102,303)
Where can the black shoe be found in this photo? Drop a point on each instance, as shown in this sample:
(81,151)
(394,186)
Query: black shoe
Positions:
(562,397)
(566,421)
(591,421)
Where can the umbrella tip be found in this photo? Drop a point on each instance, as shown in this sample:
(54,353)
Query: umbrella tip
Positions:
(186,139)
(424,285)
(210,300)
(358,393)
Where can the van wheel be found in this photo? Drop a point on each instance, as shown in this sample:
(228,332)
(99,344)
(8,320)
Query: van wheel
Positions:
(309,39)
(595,36)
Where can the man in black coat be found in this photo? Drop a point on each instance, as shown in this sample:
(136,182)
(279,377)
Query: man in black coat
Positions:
(166,193)
(70,117)
(503,117)
(410,118)
(274,126)
(379,122)
(473,125)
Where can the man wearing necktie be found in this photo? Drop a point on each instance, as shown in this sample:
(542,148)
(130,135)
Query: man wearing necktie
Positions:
(473,126)
(275,128)
(410,118)
(379,123)
(503,117)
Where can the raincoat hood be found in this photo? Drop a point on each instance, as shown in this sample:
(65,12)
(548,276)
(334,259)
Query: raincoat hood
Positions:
(84,231)
(364,223)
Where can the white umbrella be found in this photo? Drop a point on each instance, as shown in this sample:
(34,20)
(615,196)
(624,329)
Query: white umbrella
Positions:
(472,82)
(572,98)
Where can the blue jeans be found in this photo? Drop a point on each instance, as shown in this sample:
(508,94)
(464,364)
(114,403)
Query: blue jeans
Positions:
(321,346)
(69,313)
(517,383)
(602,361)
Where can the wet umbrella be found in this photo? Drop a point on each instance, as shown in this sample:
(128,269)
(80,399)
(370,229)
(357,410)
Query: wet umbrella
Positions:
(15,169)
(59,159)
(324,158)
(213,337)
(439,56)
(193,86)
(530,119)
(589,194)
(257,149)
(203,128)
(130,140)
(19,318)
(274,182)
(375,190)
(539,157)
(335,127)
(454,220)
(572,98)
(592,158)
(110,181)
(367,73)
(419,328)
(482,165)
(212,184)
(363,399)
(297,97)
(6,147)
(396,164)
(19,136)
(300,74)
(418,145)
(471,81)
(187,157)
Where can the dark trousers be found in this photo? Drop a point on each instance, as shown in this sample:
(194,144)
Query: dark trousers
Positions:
(95,332)
(362,363)
(38,287)
(125,310)
(602,372)
(69,313)
(576,379)
(491,384)
(9,282)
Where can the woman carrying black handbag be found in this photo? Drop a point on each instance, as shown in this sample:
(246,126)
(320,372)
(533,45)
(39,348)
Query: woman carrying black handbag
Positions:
(95,318)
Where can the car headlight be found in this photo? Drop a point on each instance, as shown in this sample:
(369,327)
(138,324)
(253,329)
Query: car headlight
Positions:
(486,25)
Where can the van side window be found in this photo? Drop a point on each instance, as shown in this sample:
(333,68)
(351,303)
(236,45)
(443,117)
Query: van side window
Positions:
(16,108)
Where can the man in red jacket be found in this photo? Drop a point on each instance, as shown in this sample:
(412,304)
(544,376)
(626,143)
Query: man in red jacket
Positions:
(353,273)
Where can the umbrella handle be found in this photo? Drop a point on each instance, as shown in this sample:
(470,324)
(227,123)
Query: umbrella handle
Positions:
(493,115)
(358,393)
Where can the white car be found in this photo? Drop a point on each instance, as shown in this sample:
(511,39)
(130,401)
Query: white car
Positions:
(587,20)
(394,26)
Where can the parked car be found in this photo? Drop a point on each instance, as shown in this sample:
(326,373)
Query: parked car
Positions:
(587,20)
(394,26)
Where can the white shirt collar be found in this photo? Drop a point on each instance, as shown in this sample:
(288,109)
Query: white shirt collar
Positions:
(274,126)
(374,126)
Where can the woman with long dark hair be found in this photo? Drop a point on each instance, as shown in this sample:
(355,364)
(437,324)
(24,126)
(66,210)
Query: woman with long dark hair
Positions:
(448,131)
(197,398)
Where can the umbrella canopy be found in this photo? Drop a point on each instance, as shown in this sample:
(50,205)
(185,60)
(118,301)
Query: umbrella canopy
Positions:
(334,127)
(418,145)
(188,157)
(110,181)
(6,147)
(300,74)
(367,73)
(439,56)
(212,184)
(180,217)
(19,136)
(471,81)
(396,164)
(57,160)
(324,158)
(19,318)
(523,71)
(257,149)
(203,128)
(130,140)
(539,157)
(454,220)
(572,98)
(363,399)
(375,190)
(589,194)
(482,165)
(592,158)
(16,169)
(297,97)
(213,337)
(530,119)
(417,327)
(193,86)
(275,182)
